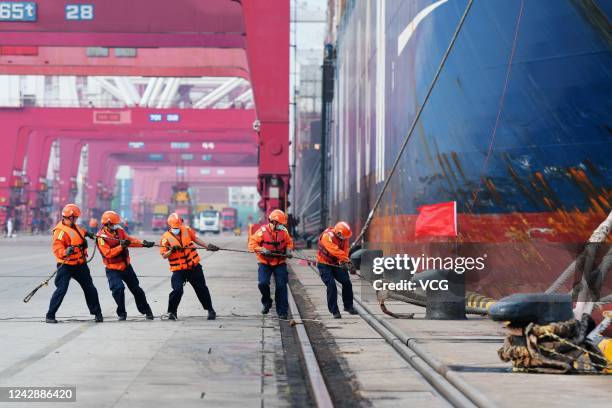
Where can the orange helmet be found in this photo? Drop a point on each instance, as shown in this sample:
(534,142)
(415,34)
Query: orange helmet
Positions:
(175,220)
(343,230)
(71,210)
(278,216)
(110,217)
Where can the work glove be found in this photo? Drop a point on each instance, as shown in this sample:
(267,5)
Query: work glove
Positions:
(212,247)
(69,250)
(176,248)
(265,251)
(124,243)
(288,253)
(90,235)
(147,244)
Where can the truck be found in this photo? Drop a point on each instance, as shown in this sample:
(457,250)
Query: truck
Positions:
(160,215)
(181,201)
(184,211)
(209,221)
(229,216)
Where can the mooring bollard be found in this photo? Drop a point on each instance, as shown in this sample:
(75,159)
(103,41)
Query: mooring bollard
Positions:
(539,308)
(356,257)
(363,259)
(443,304)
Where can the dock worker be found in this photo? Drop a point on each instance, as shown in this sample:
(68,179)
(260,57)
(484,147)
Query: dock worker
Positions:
(70,250)
(332,262)
(178,247)
(113,243)
(272,244)
(9,228)
(93,225)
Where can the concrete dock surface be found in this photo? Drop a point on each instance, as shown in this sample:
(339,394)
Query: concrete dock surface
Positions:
(232,361)
(467,347)
(242,359)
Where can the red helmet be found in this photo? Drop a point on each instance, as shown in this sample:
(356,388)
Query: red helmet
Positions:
(343,230)
(71,210)
(175,220)
(110,217)
(278,216)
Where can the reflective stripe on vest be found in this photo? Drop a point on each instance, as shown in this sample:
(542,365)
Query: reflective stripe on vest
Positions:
(273,242)
(113,242)
(324,253)
(184,258)
(76,241)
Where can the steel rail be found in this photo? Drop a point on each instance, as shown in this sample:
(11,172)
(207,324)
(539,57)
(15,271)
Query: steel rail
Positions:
(445,377)
(445,381)
(315,376)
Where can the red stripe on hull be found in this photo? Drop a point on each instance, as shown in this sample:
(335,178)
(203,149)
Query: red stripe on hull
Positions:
(524,252)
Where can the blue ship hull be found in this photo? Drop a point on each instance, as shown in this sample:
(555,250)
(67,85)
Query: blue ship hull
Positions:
(518,129)
(520,120)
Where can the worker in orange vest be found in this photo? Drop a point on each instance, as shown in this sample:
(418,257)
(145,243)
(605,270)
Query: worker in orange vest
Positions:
(113,243)
(272,244)
(332,260)
(177,246)
(70,250)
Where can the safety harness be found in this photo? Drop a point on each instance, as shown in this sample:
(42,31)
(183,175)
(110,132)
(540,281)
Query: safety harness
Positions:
(185,258)
(276,243)
(328,258)
(76,240)
(123,257)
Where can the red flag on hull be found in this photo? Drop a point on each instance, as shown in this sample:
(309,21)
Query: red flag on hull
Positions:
(437,220)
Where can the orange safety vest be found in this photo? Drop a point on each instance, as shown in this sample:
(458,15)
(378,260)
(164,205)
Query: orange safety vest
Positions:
(323,255)
(77,240)
(275,243)
(184,258)
(121,261)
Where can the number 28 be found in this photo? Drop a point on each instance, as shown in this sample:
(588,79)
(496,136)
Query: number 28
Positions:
(79,12)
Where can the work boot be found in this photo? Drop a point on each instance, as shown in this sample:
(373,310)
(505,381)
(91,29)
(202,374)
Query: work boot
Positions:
(149,315)
(122,317)
(50,320)
(99,318)
(337,315)
(351,310)
(172,316)
(266,308)
(212,315)
(282,316)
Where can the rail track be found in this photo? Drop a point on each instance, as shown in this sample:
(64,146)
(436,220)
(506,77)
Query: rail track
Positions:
(447,383)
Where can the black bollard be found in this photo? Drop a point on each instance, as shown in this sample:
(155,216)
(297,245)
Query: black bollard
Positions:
(366,262)
(539,308)
(356,258)
(443,304)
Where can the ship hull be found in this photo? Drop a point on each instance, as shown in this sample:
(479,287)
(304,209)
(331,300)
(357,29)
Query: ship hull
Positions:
(517,131)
